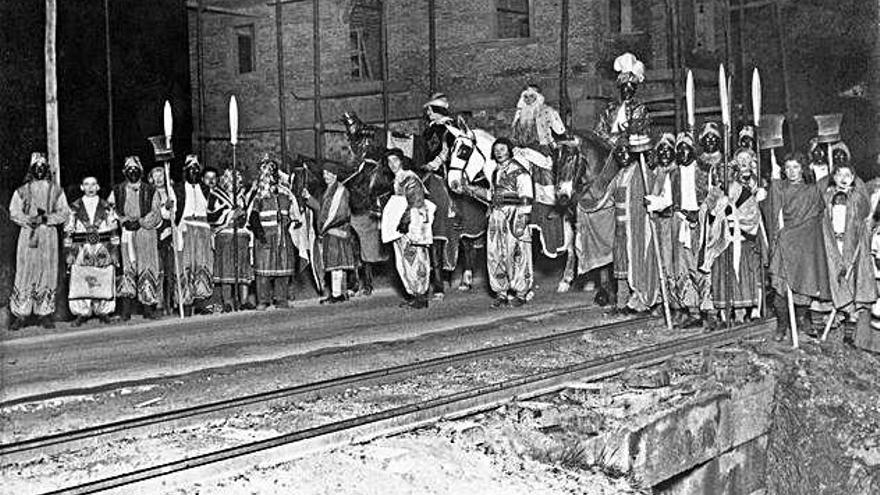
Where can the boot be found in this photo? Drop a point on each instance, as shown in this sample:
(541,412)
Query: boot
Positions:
(419,302)
(78,321)
(467,280)
(124,308)
(367,287)
(804,322)
(48,322)
(602,297)
(783,326)
(150,312)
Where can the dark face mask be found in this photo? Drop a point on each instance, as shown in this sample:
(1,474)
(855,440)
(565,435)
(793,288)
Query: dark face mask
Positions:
(685,154)
(840,157)
(40,171)
(132,174)
(710,143)
(666,155)
(627,91)
(818,155)
(192,175)
(623,157)
(747,142)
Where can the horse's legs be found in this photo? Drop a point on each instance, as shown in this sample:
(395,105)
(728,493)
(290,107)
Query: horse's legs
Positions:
(438,250)
(570,272)
(469,261)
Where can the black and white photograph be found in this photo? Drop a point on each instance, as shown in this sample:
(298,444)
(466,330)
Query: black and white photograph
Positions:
(440,247)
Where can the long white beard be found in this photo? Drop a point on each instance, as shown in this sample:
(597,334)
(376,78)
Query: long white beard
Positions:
(525,131)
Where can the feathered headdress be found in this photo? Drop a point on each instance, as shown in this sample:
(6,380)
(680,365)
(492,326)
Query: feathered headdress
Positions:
(629,69)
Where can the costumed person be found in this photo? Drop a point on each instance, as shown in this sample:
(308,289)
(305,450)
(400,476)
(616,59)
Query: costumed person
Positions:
(233,259)
(438,142)
(868,337)
(615,122)
(797,251)
(368,187)
(509,253)
(138,209)
(827,133)
(165,239)
(411,249)
(620,118)
(334,229)
(536,127)
(659,203)
(273,209)
(734,223)
(847,228)
(91,243)
(746,138)
(711,157)
(691,287)
(38,207)
(635,266)
(194,251)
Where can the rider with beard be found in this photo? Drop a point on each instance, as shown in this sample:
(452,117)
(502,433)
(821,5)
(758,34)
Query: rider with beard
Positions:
(38,207)
(537,126)
(139,210)
(195,252)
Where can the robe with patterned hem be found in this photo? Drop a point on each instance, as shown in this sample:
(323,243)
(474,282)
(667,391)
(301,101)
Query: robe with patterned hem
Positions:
(90,241)
(141,276)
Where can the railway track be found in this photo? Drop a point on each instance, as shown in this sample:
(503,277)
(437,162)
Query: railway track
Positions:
(396,420)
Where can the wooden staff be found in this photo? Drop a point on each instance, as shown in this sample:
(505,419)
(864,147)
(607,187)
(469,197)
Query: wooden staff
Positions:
(757,103)
(723,85)
(661,272)
(233,140)
(168,121)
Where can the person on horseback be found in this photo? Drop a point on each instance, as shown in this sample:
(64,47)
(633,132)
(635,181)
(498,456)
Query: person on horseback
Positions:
(537,126)
(366,186)
(619,116)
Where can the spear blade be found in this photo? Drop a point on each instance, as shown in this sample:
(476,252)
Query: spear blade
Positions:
(756,97)
(689,98)
(233,120)
(168,122)
(725,101)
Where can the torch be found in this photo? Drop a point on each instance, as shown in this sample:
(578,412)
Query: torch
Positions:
(233,140)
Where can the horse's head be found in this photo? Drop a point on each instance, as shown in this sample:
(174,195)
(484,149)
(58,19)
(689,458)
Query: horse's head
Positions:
(353,124)
(471,154)
(306,175)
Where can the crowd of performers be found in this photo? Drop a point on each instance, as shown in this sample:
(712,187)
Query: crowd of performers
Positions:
(668,218)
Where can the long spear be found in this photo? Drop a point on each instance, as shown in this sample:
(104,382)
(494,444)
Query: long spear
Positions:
(233,140)
(175,235)
(661,270)
(691,104)
(757,104)
(723,87)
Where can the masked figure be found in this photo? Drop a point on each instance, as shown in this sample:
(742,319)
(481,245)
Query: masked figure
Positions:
(691,288)
(91,243)
(138,209)
(659,203)
(38,207)
(509,253)
(227,212)
(628,115)
(195,252)
(635,267)
(165,195)
(273,210)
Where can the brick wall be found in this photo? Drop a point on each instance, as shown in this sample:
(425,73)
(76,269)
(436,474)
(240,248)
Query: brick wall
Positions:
(481,74)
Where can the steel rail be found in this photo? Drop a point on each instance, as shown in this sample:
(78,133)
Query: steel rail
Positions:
(406,418)
(299,392)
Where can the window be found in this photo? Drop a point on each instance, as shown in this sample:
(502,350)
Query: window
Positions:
(513,18)
(246,52)
(365,40)
(621,16)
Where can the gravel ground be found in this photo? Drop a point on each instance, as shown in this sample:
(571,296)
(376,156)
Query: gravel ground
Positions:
(64,469)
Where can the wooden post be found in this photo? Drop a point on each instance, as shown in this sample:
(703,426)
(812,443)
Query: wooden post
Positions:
(201,131)
(316,42)
(282,108)
(564,102)
(109,71)
(786,79)
(385,71)
(672,12)
(432,45)
(52,92)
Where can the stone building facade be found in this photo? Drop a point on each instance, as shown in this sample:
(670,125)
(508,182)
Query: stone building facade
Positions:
(483,61)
